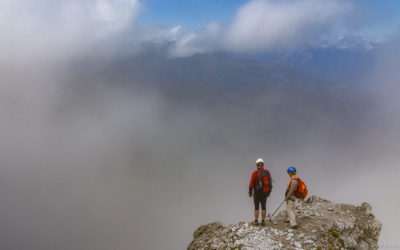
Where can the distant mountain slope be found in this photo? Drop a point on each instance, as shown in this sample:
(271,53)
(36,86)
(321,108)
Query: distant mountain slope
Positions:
(215,70)
(333,64)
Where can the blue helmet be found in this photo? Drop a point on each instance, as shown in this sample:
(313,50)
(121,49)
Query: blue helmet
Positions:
(291,169)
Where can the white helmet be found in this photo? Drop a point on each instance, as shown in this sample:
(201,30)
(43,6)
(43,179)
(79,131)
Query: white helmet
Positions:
(260,161)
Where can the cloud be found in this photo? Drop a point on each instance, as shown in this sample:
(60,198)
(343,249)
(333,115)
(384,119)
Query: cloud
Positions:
(202,41)
(160,34)
(265,25)
(52,29)
(45,29)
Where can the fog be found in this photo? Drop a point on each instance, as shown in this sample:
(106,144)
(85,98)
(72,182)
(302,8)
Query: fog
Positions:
(91,160)
(89,163)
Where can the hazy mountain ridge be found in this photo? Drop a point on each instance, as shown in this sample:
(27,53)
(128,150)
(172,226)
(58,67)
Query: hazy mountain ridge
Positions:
(224,84)
(346,65)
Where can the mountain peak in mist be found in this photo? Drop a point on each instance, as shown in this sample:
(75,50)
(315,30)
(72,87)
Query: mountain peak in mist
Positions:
(322,225)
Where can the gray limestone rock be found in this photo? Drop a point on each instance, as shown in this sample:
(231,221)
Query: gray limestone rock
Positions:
(322,225)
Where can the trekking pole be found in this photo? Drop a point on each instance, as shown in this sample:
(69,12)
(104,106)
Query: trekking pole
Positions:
(278,208)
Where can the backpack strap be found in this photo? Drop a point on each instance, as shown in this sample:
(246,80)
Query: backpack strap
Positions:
(296,188)
(260,176)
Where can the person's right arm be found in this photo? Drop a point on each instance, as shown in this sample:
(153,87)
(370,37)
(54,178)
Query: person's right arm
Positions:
(291,189)
(251,185)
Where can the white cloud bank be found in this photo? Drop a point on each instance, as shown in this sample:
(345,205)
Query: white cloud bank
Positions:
(265,24)
(63,29)
(45,28)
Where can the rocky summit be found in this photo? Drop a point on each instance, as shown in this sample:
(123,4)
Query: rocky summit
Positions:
(322,225)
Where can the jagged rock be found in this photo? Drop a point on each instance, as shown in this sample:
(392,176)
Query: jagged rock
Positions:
(322,225)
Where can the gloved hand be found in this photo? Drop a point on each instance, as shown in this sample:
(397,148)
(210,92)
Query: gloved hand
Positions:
(250,194)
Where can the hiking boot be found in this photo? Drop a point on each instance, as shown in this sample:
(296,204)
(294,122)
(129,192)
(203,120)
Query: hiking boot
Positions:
(255,223)
(262,223)
(294,227)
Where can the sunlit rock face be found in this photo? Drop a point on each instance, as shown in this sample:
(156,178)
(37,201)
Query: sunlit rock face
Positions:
(322,225)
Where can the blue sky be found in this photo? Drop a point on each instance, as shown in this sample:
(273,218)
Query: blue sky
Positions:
(192,14)
(379,17)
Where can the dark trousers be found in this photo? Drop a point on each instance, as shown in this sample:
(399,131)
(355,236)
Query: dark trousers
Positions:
(260,198)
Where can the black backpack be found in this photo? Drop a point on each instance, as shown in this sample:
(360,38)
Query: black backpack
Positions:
(264,183)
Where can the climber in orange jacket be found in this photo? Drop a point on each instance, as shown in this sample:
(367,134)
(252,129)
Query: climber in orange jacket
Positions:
(260,187)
